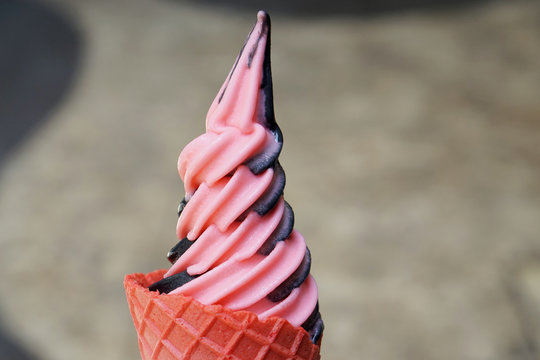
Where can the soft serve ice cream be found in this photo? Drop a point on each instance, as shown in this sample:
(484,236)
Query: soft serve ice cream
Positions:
(238,247)
(239,286)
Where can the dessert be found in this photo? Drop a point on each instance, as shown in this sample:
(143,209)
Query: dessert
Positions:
(239,286)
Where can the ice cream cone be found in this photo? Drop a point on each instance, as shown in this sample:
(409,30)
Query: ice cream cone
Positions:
(174,326)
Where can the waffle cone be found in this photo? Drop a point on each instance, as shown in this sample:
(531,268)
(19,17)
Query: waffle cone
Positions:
(180,327)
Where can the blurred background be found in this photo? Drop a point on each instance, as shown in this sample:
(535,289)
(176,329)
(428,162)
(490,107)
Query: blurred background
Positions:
(412,153)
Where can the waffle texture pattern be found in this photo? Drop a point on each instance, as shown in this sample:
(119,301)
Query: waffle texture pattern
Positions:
(174,326)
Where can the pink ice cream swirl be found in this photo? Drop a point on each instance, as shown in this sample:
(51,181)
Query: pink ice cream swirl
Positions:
(238,247)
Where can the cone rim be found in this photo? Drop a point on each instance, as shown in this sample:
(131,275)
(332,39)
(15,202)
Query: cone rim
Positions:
(136,284)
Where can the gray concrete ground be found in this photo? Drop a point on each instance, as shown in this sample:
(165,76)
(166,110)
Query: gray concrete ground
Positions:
(412,153)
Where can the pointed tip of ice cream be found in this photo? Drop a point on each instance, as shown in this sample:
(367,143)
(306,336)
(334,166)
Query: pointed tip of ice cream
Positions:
(239,100)
(262,16)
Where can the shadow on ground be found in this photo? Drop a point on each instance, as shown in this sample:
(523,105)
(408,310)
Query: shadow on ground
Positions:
(11,349)
(40,50)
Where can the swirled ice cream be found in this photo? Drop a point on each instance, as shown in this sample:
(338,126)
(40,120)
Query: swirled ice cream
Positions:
(238,246)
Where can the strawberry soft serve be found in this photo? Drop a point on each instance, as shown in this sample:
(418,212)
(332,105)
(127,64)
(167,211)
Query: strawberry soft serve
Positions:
(238,247)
